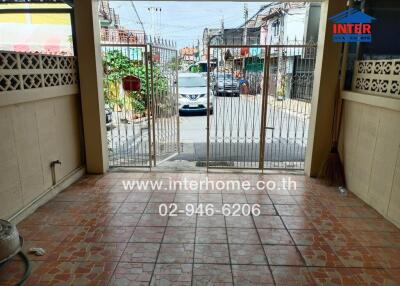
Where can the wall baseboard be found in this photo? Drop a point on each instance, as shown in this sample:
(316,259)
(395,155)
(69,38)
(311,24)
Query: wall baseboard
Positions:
(49,194)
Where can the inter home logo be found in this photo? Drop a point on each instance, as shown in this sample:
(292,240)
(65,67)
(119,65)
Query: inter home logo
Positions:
(352,26)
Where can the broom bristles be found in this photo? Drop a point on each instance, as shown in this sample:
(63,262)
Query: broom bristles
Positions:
(332,172)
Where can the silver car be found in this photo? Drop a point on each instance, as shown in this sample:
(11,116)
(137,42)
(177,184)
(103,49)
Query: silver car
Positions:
(193,93)
(226,85)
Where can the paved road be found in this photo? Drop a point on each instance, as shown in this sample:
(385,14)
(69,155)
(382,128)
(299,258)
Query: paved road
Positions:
(234,132)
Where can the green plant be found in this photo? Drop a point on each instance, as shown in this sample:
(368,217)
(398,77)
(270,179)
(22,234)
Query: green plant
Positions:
(281,92)
(117,66)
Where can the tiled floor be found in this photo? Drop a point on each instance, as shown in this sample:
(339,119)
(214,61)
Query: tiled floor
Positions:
(97,233)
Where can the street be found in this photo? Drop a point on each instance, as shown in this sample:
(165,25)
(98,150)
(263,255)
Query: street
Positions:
(234,133)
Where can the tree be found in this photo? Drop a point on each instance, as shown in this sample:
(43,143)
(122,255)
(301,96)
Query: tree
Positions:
(117,66)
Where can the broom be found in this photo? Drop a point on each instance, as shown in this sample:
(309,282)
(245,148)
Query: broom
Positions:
(332,171)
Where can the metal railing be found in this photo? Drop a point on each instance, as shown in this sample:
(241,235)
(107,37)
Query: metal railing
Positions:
(263,123)
(143,125)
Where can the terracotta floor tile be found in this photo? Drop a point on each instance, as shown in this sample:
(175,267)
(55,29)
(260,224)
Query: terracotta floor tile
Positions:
(247,254)
(313,211)
(388,257)
(172,274)
(92,251)
(115,197)
(280,192)
(94,273)
(326,223)
(267,210)
(179,235)
(46,232)
(339,238)
(239,221)
(268,222)
(132,274)
(320,255)
(72,273)
(162,198)
(307,237)
(153,220)
(234,199)
(99,233)
(292,276)
(138,197)
(124,219)
(186,198)
(348,212)
(375,277)
(176,253)
(356,256)
(54,273)
(96,207)
(289,210)
(211,235)
(12,271)
(211,221)
(212,274)
(283,255)
(141,252)
(48,246)
(275,236)
(249,275)
(333,276)
(148,234)
(61,218)
(152,208)
(258,199)
(211,253)
(379,239)
(132,208)
(394,274)
(210,198)
(243,236)
(94,219)
(297,222)
(282,200)
(182,220)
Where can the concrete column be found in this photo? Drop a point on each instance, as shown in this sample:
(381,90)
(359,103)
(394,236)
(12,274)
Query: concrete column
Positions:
(91,85)
(325,83)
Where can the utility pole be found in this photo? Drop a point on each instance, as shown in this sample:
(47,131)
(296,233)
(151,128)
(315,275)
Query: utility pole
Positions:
(198,50)
(140,20)
(222,28)
(246,16)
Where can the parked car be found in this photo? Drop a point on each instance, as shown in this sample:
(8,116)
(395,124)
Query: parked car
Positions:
(193,93)
(226,85)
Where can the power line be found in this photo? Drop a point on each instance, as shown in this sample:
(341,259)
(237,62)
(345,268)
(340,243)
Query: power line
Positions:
(137,15)
(258,12)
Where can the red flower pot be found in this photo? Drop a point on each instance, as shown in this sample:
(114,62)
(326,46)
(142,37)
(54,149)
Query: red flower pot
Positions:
(131,83)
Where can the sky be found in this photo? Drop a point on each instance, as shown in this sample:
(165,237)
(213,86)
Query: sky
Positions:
(183,22)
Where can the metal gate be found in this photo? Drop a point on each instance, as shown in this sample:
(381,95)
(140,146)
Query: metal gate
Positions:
(261,101)
(142,126)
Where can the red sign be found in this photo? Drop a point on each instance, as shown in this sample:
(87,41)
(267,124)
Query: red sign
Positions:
(156,57)
(131,83)
(244,51)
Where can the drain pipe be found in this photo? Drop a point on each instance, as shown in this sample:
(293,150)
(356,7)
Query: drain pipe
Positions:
(53,170)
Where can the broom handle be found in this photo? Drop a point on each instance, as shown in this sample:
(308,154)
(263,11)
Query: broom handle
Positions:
(342,80)
(338,105)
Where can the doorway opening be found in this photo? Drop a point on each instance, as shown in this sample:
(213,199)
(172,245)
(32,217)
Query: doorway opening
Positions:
(237,98)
